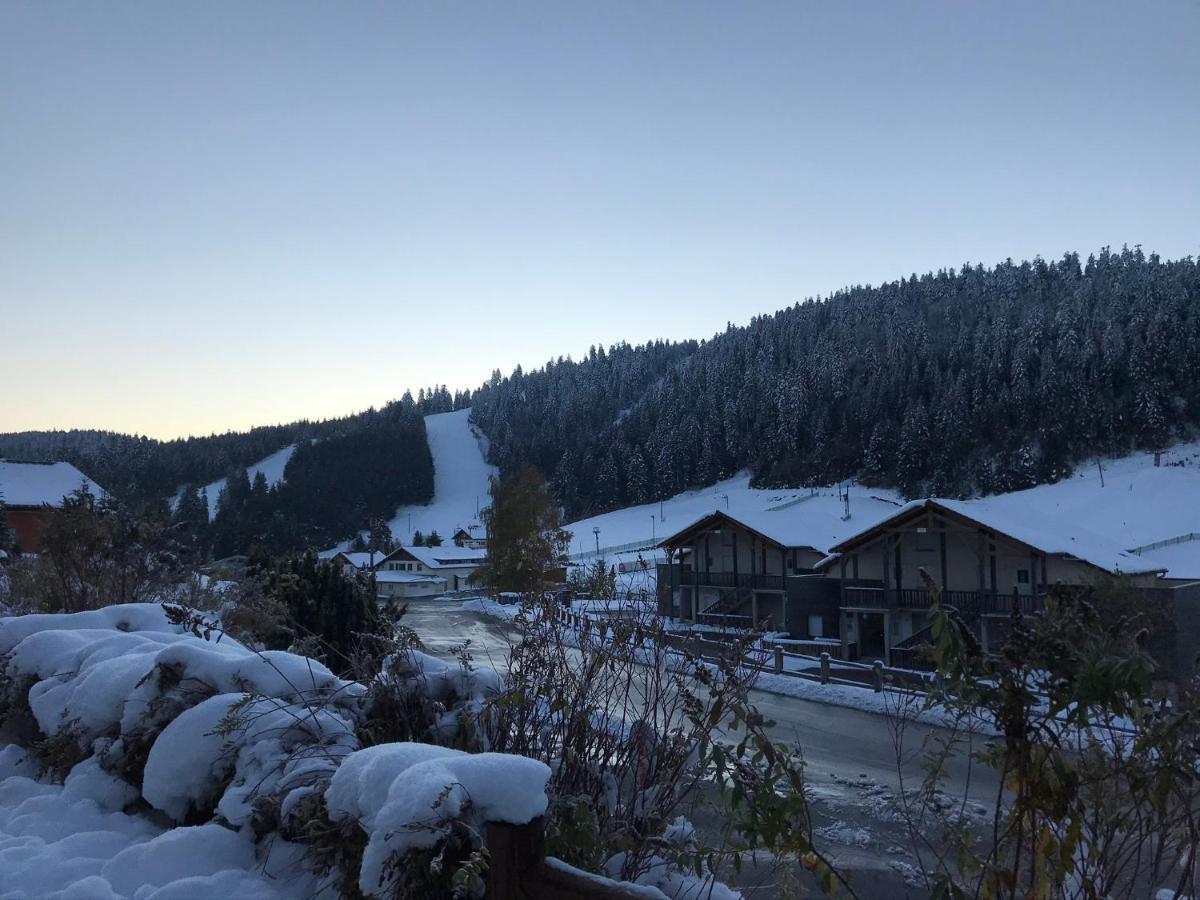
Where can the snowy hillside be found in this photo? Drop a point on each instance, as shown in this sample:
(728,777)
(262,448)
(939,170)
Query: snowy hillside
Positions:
(460,479)
(271,466)
(1137,505)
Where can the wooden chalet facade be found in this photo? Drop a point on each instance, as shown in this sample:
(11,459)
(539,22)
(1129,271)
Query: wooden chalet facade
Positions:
(724,570)
(978,559)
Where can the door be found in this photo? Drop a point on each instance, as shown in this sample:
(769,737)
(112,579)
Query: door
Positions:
(871,636)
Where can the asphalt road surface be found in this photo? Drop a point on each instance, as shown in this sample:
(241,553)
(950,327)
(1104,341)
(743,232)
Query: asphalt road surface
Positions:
(852,763)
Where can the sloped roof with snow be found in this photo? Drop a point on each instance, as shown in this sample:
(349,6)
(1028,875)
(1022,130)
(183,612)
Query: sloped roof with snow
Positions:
(1046,534)
(360,559)
(815,524)
(41,484)
(447,556)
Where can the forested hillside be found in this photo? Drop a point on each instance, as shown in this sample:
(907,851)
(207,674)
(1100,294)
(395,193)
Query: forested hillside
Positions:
(985,379)
(988,379)
(344,473)
(139,469)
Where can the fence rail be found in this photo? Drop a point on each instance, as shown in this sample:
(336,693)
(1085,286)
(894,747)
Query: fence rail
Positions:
(825,668)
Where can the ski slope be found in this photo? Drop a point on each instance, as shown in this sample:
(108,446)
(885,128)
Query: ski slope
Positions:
(460,479)
(1133,504)
(271,466)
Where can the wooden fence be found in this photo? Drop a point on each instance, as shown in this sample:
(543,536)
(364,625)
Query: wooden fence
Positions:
(518,869)
(822,668)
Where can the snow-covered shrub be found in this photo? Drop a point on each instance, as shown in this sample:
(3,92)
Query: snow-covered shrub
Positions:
(623,722)
(413,797)
(94,552)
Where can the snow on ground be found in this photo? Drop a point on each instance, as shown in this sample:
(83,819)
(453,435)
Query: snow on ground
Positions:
(1137,504)
(74,841)
(1182,559)
(271,466)
(1133,504)
(460,479)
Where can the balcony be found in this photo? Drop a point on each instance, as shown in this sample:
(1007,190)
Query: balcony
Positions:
(976,602)
(731,580)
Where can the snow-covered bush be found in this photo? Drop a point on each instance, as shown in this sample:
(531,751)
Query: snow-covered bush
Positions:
(153,707)
(420,797)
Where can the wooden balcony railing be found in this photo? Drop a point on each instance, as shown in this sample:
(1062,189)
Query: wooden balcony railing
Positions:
(731,580)
(978,602)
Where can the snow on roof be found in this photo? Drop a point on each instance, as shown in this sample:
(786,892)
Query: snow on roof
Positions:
(446,556)
(361,559)
(395,577)
(1181,559)
(41,484)
(1056,537)
(815,523)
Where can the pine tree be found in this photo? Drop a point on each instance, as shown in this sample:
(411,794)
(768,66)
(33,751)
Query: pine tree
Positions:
(8,537)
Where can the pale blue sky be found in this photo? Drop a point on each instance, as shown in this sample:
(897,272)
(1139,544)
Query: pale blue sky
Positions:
(215,215)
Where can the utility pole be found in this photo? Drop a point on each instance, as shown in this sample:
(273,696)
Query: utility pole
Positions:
(653,534)
(661,517)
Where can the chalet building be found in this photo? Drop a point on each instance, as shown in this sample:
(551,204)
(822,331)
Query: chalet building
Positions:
(356,560)
(30,492)
(749,568)
(454,565)
(471,536)
(864,592)
(978,557)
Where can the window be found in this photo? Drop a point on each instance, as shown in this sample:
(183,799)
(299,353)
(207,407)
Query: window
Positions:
(816,626)
(925,540)
(1022,576)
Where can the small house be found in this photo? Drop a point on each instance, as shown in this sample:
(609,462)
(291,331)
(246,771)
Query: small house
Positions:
(30,492)
(455,565)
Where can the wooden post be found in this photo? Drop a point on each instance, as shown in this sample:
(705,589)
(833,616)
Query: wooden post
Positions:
(877,675)
(778,660)
(514,851)
(824,668)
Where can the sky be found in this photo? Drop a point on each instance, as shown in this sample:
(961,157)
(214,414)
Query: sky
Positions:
(218,215)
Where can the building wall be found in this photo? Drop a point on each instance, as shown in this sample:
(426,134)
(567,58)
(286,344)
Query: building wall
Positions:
(813,595)
(457,577)
(968,555)
(715,553)
(389,590)
(29,525)
(1179,663)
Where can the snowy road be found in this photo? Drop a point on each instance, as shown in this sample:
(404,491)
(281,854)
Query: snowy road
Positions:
(850,755)
(843,747)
